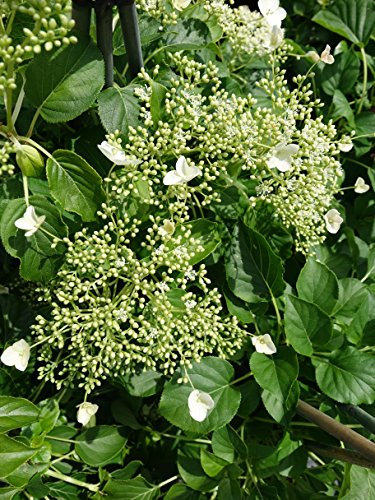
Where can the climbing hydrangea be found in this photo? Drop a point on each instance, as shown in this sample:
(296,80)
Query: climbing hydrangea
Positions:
(120,306)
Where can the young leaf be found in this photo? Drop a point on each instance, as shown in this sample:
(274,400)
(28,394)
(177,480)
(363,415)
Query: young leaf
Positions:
(277,376)
(74,184)
(100,445)
(318,284)
(254,272)
(118,109)
(16,412)
(211,375)
(347,376)
(305,325)
(64,83)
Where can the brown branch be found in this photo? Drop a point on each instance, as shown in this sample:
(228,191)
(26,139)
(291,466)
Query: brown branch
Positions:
(349,456)
(339,431)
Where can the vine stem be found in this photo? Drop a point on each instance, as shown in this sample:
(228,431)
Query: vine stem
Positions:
(167,481)
(71,480)
(364,85)
(338,430)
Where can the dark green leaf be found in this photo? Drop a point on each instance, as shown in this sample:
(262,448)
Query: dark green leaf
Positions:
(74,184)
(158,92)
(352,294)
(13,454)
(64,83)
(305,325)
(100,445)
(211,464)
(229,489)
(342,108)
(226,444)
(16,412)
(119,109)
(277,376)
(143,384)
(192,473)
(130,489)
(8,492)
(254,271)
(182,492)
(341,75)
(347,376)
(317,284)
(187,34)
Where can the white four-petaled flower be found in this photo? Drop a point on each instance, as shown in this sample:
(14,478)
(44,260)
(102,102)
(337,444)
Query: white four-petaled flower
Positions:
(30,222)
(200,405)
(333,220)
(326,55)
(116,155)
(360,186)
(272,12)
(181,4)
(281,156)
(274,39)
(85,412)
(183,173)
(17,355)
(264,344)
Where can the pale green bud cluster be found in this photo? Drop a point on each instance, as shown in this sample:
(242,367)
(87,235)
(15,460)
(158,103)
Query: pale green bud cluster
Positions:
(161,10)
(46,26)
(123,303)
(7,148)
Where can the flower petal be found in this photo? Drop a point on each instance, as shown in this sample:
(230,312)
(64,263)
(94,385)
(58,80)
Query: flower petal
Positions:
(172,178)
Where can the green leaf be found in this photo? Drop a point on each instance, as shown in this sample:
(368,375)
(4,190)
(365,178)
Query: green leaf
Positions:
(347,376)
(250,398)
(229,489)
(352,20)
(211,375)
(182,492)
(201,239)
(318,284)
(128,471)
(354,330)
(13,454)
(143,384)
(8,492)
(211,464)
(187,34)
(119,109)
(254,271)
(100,445)
(64,83)
(342,75)
(16,412)
(74,184)
(192,473)
(158,92)
(342,108)
(130,489)
(39,261)
(352,294)
(305,325)
(25,472)
(226,443)
(277,376)
(362,484)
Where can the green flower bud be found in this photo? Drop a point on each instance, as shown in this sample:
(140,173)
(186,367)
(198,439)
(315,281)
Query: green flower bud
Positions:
(30,161)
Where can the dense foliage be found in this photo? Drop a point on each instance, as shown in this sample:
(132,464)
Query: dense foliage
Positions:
(189,255)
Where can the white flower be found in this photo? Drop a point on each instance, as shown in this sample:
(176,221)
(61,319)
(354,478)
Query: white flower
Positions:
(346,146)
(85,412)
(17,355)
(183,173)
(120,314)
(200,405)
(333,220)
(190,304)
(167,228)
(264,344)
(30,222)
(116,155)
(281,156)
(272,12)
(274,39)
(360,186)
(181,4)
(326,56)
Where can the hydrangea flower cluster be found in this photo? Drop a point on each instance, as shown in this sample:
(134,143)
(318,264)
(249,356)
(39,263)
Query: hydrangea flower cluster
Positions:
(122,304)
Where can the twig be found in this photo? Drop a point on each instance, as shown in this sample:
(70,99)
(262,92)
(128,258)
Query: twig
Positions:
(364,418)
(340,431)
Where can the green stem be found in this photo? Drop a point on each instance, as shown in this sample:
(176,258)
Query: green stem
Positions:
(167,481)
(35,144)
(71,480)
(364,85)
(25,189)
(278,316)
(244,377)
(64,440)
(33,122)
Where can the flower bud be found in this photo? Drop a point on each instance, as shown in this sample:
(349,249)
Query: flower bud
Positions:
(30,161)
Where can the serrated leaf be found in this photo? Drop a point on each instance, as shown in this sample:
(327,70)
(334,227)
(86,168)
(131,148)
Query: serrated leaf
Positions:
(254,271)
(119,109)
(318,284)
(100,445)
(211,375)
(306,325)
(13,454)
(187,34)
(277,376)
(64,83)
(74,184)
(352,294)
(362,484)
(347,376)
(16,412)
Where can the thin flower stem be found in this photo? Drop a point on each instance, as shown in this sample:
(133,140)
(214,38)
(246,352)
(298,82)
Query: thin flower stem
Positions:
(240,379)
(25,189)
(364,85)
(32,124)
(64,440)
(58,475)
